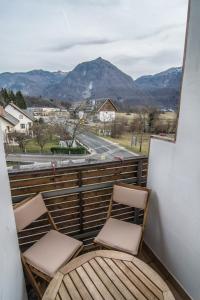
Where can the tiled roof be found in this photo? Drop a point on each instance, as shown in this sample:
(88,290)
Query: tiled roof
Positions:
(23,111)
(9,118)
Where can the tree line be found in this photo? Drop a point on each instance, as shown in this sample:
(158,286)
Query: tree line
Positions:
(7,96)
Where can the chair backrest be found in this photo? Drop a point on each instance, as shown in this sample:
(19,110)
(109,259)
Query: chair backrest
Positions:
(130,195)
(28,211)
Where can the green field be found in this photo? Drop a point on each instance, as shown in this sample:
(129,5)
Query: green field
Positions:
(33,147)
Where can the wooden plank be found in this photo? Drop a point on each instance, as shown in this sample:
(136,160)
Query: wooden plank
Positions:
(45,172)
(143,278)
(108,178)
(43,180)
(63,292)
(168,295)
(43,188)
(53,287)
(136,281)
(109,171)
(151,274)
(90,285)
(115,280)
(114,255)
(76,262)
(106,280)
(98,283)
(135,292)
(80,286)
(71,288)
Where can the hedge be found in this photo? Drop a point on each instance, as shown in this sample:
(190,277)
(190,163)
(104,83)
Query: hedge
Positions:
(67,150)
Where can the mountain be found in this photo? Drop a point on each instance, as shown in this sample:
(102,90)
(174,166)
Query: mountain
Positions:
(32,83)
(97,79)
(170,78)
(163,87)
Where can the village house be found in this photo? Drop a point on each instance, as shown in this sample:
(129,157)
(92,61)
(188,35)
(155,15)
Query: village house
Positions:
(103,110)
(25,119)
(49,114)
(7,123)
(12,118)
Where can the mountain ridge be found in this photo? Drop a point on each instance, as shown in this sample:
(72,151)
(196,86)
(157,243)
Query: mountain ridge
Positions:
(96,79)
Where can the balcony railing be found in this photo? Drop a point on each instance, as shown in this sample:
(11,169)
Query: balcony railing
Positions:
(78,197)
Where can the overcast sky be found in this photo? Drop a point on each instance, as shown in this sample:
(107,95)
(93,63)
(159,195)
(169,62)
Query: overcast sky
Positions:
(138,36)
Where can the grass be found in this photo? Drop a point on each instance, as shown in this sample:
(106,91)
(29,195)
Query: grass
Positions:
(130,117)
(125,141)
(33,147)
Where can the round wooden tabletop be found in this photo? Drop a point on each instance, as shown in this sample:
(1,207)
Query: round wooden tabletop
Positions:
(107,274)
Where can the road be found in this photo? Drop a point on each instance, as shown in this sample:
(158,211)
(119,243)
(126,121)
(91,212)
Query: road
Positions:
(100,150)
(103,147)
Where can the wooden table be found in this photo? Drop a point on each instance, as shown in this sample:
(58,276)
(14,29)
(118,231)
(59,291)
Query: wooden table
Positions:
(107,274)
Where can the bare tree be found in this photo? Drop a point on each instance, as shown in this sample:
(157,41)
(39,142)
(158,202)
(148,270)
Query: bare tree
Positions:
(20,138)
(152,116)
(118,127)
(74,127)
(77,123)
(42,133)
(138,126)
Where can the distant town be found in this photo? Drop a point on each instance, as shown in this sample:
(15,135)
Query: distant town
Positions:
(88,130)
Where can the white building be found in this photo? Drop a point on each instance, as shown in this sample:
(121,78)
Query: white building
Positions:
(25,120)
(7,123)
(49,114)
(103,110)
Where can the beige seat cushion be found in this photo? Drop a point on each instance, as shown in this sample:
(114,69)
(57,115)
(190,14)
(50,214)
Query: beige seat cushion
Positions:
(130,196)
(120,235)
(51,252)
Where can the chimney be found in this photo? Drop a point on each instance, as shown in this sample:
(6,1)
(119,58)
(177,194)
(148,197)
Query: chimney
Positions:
(2,111)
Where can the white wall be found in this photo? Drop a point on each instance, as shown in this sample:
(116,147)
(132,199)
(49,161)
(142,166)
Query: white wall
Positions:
(19,116)
(4,128)
(174,176)
(11,276)
(106,116)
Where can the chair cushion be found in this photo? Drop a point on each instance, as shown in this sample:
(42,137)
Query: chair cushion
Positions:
(51,252)
(120,235)
(28,211)
(130,196)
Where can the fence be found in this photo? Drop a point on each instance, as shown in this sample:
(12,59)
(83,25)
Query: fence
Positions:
(78,196)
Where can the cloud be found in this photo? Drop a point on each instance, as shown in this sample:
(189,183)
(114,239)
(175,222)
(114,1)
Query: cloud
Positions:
(140,37)
(159,31)
(69,45)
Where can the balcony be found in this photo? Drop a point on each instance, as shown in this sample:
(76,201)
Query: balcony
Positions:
(78,198)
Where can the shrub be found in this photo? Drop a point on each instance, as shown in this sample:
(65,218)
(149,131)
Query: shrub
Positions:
(67,150)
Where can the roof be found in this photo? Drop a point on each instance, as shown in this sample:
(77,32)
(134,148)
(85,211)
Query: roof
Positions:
(101,102)
(91,105)
(9,118)
(23,111)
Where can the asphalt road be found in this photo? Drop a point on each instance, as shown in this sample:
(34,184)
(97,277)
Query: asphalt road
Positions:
(103,147)
(100,150)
